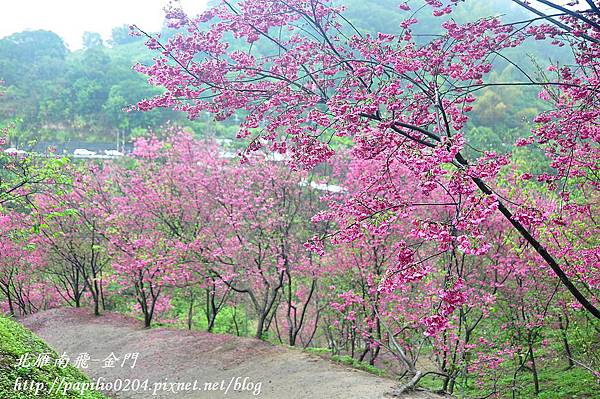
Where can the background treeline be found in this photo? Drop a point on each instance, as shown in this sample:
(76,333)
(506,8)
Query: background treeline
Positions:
(56,95)
(52,94)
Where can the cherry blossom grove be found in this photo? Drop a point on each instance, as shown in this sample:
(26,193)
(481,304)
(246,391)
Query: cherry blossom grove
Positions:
(354,214)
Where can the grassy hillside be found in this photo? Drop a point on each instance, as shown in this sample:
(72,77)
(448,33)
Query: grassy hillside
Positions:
(15,341)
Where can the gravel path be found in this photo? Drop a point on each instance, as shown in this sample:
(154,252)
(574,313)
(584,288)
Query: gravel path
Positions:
(213,362)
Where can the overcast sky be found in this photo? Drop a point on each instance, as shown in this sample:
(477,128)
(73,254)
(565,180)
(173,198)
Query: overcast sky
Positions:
(70,18)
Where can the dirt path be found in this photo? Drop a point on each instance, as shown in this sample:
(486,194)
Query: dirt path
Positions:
(169,356)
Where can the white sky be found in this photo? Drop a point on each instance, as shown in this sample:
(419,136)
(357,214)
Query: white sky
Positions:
(70,18)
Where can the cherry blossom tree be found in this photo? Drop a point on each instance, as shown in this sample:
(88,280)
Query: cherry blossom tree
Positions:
(21,259)
(182,216)
(145,257)
(260,212)
(403,102)
(72,232)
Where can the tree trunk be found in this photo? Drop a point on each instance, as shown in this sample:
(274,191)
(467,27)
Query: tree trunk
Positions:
(96,297)
(567,347)
(451,383)
(261,325)
(410,385)
(11,306)
(536,381)
(190,312)
(235,323)
(102,296)
(374,355)
(96,307)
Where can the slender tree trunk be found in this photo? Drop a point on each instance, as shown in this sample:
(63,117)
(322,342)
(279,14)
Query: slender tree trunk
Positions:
(190,311)
(411,384)
(211,324)
(537,246)
(235,323)
(211,308)
(147,320)
(374,355)
(143,301)
(567,347)
(364,354)
(96,307)
(451,383)
(102,296)
(536,381)
(279,332)
(96,298)
(261,325)
(11,306)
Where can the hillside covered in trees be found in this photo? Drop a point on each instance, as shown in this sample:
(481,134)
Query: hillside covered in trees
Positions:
(53,95)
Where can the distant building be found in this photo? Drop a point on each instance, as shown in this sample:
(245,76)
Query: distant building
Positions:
(68,148)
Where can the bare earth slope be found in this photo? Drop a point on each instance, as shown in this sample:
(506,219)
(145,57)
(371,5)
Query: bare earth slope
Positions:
(169,356)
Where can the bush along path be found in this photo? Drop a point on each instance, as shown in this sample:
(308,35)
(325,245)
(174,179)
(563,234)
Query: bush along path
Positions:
(29,368)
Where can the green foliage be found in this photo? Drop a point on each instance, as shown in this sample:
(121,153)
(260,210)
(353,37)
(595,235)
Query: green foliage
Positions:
(230,319)
(23,174)
(15,341)
(349,361)
(225,324)
(120,35)
(560,383)
(319,351)
(556,382)
(60,95)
